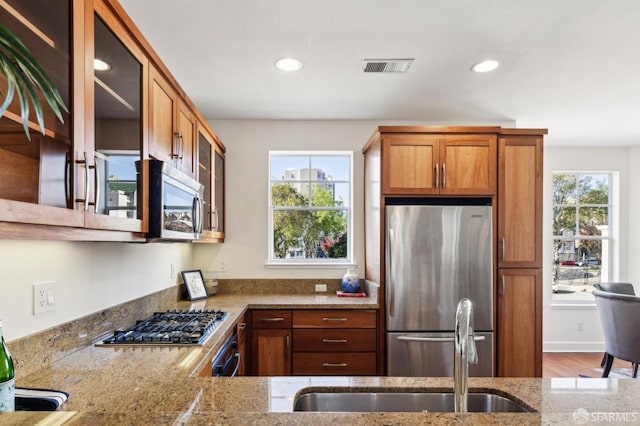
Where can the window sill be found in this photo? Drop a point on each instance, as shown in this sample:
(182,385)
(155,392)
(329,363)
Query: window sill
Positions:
(309,265)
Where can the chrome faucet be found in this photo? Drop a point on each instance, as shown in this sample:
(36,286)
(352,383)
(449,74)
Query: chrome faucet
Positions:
(465,353)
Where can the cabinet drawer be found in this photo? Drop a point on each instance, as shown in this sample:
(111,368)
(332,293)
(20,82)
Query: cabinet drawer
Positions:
(336,318)
(334,364)
(334,340)
(271,319)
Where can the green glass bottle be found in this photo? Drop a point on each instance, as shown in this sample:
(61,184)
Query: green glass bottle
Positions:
(7,377)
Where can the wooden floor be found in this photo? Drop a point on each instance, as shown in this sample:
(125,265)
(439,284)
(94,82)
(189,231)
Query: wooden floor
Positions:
(573,364)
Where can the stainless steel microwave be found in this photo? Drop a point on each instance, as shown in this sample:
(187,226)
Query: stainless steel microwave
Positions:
(175,204)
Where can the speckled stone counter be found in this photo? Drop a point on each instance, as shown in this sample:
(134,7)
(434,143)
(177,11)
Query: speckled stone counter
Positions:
(160,385)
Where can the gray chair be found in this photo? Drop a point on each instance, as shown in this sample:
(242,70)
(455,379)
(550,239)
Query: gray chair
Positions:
(619,316)
(614,287)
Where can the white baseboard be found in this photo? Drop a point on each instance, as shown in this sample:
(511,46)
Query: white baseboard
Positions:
(573,346)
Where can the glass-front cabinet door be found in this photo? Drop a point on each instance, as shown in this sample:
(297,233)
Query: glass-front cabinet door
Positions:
(36,173)
(115,142)
(211,176)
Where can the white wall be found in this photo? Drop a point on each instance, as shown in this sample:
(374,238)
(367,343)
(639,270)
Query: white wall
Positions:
(633,216)
(248,143)
(560,323)
(89,277)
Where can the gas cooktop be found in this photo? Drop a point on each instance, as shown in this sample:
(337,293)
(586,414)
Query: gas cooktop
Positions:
(170,328)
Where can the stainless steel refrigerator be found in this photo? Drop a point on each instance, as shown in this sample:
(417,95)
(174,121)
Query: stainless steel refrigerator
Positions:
(436,255)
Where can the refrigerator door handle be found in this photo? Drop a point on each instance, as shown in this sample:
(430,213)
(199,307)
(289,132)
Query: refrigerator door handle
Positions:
(390,275)
(434,339)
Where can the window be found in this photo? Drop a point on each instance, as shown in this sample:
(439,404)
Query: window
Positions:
(582,233)
(310,207)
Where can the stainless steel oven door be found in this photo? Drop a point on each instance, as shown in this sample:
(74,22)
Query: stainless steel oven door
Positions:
(226,363)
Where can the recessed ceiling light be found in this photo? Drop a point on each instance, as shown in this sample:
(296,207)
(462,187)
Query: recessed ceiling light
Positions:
(100,65)
(485,66)
(289,64)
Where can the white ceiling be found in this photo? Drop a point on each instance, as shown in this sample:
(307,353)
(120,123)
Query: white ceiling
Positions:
(572,66)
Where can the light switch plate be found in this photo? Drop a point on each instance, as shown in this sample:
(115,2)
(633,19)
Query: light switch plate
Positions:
(44,297)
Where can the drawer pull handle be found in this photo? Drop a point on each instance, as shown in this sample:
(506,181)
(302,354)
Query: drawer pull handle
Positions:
(327,364)
(334,341)
(272,319)
(333,319)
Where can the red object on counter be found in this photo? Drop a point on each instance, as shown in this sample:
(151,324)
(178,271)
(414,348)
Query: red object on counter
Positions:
(345,294)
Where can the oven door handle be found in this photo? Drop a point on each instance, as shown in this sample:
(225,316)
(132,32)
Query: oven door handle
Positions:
(222,370)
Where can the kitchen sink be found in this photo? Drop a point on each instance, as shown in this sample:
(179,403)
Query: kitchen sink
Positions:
(480,402)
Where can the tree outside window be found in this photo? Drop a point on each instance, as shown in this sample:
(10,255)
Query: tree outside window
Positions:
(310,207)
(581,233)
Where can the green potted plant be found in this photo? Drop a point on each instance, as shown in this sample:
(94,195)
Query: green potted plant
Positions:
(25,76)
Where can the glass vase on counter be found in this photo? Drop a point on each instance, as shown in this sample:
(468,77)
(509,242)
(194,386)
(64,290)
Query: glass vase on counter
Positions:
(7,377)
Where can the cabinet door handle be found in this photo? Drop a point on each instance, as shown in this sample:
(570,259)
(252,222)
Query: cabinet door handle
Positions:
(504,249)
(444,175)
(215,215)
(242,326)
(437,168)
(85,200)
(333,319)
(287,343)
(96,177)
(504,287)
(328,364)
(276,319)
(334,341)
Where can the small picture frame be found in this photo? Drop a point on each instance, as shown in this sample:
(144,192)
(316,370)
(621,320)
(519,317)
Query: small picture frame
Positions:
(195,284)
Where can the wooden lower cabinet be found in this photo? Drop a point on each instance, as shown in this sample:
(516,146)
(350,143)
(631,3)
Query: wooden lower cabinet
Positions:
(271,352)
(519,323)
(241,330)
(334,342)
(309,342)
(271,342)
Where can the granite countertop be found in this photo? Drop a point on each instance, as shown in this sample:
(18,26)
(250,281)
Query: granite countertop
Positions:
(160,385)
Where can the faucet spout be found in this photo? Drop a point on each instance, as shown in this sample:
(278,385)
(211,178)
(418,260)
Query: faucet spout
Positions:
(465,353)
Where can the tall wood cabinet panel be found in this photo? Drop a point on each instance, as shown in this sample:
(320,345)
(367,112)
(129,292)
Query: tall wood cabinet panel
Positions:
(519,323)
(520,202)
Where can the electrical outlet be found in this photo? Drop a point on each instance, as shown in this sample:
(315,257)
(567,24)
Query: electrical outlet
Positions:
(321,287)
(222,266)
(580,326)
(173,270)
(44,297)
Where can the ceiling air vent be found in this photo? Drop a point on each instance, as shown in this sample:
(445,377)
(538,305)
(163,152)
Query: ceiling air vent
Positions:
(387,65)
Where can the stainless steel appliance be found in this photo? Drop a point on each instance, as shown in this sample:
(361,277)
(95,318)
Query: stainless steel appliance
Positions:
(437,251)
(175,204)
(226,363)
(175,327)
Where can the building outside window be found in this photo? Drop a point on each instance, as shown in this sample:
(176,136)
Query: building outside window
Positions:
(582,233)
(310,202)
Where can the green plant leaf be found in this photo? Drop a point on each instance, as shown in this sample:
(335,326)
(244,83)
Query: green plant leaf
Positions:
(25,76)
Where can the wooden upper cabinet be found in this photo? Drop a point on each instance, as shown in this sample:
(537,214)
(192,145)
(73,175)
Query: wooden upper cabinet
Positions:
(79,178)
(37,176)
(186,138)
(114,139)
(211,175)
(409,164)
(520,201)
(430,164)
(173,126)
(468,164)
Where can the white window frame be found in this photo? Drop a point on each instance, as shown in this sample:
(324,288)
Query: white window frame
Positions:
(612,240)
(304,262)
